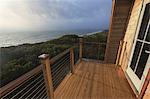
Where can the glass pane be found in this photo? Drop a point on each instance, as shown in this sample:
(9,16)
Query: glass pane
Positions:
(135,55)
(144,23)
(148,35)
(143,60)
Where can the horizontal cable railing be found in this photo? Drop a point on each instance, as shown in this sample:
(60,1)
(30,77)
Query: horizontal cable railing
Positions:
(26,86)
(92,50)
(60,69)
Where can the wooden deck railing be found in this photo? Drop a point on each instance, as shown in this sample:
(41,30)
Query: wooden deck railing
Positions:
(92,50)
(42,81)
(28,85)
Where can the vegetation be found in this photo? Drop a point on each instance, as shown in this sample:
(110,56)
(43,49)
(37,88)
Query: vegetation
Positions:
(98,37)
(95,51)
(17,60)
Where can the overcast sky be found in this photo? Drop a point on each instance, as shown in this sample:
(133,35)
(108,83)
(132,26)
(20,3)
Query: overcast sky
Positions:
(54,14)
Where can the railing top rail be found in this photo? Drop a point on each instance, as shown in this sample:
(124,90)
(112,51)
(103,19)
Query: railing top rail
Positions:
(11,85)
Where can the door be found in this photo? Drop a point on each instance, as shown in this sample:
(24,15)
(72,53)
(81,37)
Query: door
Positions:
(139,63)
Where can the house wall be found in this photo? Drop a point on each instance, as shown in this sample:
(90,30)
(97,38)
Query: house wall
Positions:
(129,37)
(118,23)
(130,34)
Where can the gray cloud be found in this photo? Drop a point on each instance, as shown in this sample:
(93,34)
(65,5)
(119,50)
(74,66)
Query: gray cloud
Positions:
(62,14)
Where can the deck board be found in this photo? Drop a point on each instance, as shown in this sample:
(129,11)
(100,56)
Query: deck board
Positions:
(93,80)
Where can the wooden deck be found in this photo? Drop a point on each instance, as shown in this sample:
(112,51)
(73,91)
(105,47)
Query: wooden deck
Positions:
(93,80)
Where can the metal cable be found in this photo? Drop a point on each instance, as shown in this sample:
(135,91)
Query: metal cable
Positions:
(41,90)
(35,89)
(44,91)
(27,86)
(55,71)
(19,86)
(43,96)
(31,88)
(53,66)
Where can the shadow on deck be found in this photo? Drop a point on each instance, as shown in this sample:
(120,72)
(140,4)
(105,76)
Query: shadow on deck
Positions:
(93,80)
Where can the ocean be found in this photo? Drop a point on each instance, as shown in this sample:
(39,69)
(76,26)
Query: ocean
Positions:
(18,38)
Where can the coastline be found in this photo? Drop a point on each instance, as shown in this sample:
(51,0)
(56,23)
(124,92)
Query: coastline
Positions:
(42,40)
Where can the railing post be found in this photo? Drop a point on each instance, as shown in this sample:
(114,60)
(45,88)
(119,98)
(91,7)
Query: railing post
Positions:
(119,52)
(81,49)
(47,75)
(123,53)
(72,60)
(98,55)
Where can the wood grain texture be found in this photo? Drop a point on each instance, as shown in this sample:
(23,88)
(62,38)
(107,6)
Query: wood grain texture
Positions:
(118,25)
(93,80)
(72,60)
(47,76)
(131,32)
(81,48)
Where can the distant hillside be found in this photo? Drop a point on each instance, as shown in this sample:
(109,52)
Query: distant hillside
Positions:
(17,60)
(97,37)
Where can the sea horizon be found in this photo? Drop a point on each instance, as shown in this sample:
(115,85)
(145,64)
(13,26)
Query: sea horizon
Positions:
(16,39)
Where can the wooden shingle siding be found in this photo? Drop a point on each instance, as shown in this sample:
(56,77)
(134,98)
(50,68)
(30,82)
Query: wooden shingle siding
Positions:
(130,33)
(116,31)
